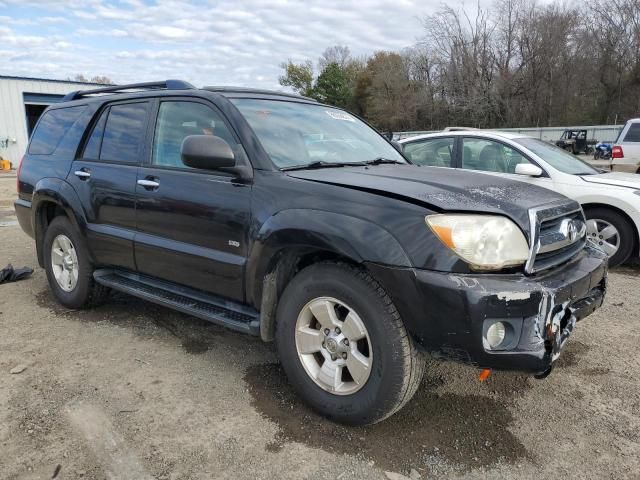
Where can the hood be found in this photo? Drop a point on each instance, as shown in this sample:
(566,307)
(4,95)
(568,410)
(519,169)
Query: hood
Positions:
(615,179)
(441,189)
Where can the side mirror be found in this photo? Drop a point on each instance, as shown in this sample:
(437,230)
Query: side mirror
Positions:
(207,152)
(528,169)
(396,145)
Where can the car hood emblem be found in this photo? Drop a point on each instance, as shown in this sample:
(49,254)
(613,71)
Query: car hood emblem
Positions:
(573,229)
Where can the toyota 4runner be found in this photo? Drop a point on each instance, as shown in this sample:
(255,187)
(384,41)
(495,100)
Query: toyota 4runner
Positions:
(274,215)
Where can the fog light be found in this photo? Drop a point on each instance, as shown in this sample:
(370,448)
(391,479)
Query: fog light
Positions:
(495,334)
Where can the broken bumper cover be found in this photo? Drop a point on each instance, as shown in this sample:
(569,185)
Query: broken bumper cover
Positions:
(448,313)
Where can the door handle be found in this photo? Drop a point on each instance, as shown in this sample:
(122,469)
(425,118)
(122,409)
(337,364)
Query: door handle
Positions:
(149,184)
(82,174)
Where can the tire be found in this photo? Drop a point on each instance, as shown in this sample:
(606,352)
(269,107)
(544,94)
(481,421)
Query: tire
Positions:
(396,365)
(84,292)
(626,236)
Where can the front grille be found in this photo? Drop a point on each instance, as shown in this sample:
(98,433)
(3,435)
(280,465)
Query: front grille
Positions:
(558,233)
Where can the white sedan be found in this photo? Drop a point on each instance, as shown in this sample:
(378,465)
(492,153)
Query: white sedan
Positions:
(611,201)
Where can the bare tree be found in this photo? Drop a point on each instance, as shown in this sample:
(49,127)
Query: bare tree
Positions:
(339,54)
(515,63)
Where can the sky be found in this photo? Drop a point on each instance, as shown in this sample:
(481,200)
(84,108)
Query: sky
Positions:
(206,42)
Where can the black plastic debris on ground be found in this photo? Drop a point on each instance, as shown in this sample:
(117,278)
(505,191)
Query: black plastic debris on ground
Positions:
(10,274)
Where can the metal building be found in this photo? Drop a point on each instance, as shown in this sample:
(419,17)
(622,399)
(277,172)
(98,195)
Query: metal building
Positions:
(22,101)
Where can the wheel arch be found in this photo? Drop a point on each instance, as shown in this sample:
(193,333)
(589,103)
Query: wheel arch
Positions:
(53,198)
(295,239)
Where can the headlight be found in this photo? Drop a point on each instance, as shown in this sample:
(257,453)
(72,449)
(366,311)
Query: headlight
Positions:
(485,242)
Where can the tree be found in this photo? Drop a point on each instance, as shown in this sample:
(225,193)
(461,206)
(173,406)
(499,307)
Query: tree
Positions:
(298,76)
(338,54)
(100,79)
(333,86)
(391,94)
(513,63)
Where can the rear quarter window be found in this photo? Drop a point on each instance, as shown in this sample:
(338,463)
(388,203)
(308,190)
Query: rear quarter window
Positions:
(52,128)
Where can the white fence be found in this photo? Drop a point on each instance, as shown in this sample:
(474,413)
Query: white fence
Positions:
(602,133)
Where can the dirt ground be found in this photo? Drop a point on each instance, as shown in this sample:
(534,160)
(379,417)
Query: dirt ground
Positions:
(130,390)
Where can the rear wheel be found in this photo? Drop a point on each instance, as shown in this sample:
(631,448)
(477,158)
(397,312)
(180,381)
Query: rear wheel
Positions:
(69,269)
(611,232)
(343,345)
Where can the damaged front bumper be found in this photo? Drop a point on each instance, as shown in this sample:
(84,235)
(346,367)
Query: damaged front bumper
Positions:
(448,314)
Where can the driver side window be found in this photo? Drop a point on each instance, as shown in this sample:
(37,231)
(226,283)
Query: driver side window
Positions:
(176,121)
(490,156)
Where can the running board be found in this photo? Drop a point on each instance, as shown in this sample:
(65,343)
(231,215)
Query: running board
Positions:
(183,299)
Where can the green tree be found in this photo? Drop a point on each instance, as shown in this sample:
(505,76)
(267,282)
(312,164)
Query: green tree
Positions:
(333,86)
(298,76)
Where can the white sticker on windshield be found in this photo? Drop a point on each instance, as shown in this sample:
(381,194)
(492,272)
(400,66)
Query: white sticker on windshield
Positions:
(337,115)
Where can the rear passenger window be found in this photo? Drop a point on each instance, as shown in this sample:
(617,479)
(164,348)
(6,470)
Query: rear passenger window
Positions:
(633,134)
(178,120)
(124,133)
(52,128)
(434,152)
(92,148)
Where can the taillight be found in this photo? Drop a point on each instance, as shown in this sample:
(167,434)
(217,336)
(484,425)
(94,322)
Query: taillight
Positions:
(18,175)
(616,152)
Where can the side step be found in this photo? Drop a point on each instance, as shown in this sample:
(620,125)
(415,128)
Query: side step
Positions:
(183,299)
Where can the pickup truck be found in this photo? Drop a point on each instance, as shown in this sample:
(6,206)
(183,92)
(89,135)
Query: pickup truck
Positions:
(277,216)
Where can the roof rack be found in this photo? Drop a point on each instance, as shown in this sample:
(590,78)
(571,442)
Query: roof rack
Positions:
(225,89)
(164,85)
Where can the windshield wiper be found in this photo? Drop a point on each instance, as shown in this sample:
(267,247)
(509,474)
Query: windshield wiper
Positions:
(313,165)
(323,164)
(382,160)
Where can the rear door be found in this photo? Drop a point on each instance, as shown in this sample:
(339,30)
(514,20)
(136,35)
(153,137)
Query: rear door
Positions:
(192,225)
(104,176)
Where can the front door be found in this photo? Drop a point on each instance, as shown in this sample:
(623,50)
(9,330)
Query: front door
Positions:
(104,177)
(191,224)
(491,156)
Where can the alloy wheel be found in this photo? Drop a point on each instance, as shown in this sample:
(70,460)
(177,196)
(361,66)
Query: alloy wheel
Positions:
(604,235)
(333,346)
(64,263)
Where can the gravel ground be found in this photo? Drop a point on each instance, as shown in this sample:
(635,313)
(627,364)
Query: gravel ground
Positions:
(130,390)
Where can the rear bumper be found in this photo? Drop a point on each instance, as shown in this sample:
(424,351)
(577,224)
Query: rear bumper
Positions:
(627,164)
(23,213)
(448,314)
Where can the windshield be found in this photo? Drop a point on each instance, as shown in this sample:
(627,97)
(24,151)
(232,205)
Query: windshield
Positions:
(297,134)
(557,157)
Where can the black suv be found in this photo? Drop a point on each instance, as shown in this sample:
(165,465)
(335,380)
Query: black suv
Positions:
(277,216)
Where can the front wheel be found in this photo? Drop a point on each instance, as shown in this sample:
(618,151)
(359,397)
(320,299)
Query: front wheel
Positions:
(343,345)
(611,232)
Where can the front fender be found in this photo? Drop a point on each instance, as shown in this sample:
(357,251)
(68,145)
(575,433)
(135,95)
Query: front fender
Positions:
(344,235)
(60,193)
